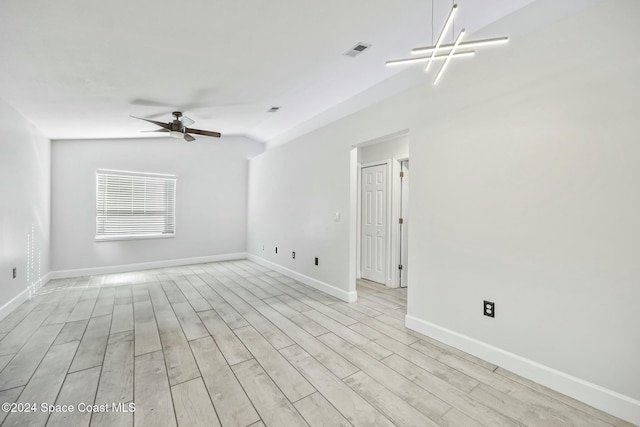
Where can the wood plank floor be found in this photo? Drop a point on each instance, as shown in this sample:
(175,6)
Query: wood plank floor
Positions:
(236,344)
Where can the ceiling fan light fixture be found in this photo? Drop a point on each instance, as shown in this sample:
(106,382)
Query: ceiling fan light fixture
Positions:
(176,134)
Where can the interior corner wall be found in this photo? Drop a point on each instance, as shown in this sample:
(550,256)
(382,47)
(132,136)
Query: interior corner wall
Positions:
(524,188)
(25,208)
(211,199)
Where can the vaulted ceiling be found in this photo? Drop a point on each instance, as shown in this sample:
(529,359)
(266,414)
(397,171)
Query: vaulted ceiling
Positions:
(80,68)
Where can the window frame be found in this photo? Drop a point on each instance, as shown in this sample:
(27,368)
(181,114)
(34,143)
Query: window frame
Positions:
(171,180)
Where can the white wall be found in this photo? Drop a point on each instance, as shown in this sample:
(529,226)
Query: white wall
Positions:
(211,198)
(24,209)
(524,191)
(298,189)
(382,151)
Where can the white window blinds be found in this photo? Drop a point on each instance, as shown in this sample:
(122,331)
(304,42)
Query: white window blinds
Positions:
(132,205)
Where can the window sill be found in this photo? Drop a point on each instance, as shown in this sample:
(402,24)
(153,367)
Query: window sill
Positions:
(135,237)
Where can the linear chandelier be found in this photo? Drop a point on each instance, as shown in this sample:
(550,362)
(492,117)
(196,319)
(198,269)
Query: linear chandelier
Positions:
(446,52)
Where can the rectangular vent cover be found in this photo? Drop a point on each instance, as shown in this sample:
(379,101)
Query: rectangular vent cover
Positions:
(357,49)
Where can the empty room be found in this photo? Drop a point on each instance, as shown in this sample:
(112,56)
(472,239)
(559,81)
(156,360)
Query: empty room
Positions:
(320,213)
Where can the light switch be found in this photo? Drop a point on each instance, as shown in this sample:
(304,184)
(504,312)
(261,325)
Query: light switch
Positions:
(336,217)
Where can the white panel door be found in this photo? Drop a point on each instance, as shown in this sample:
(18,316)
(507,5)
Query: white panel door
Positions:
(374,223)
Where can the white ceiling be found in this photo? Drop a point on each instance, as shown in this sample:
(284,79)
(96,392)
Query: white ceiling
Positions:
(79,68)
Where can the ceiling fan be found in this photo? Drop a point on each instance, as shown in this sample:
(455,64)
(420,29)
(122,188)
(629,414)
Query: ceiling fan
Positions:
(178,127)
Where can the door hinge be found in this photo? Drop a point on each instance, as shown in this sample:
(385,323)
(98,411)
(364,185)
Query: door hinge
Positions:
(401,174)
(399,266)
(400,221)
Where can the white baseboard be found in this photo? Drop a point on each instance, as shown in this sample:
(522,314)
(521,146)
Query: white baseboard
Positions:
(316,284)
(6,309)
(45,279)
(64,274)
(599,397)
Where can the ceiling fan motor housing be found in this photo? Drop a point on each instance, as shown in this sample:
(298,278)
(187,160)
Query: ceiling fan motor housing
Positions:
(176,126)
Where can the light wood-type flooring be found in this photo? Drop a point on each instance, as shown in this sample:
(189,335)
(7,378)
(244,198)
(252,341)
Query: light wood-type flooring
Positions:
(236,344)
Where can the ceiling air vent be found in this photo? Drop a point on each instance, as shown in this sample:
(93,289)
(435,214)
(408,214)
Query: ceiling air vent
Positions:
(357,50)
(273,109)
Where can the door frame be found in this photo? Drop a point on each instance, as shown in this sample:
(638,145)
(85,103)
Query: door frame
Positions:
(396,208)
(354,207)
(393,209)
(388,228)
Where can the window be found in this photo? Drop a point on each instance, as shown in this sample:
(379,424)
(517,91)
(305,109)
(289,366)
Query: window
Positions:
(133,205)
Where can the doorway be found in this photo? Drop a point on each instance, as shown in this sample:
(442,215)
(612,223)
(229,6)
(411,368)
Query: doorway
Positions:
(379,228)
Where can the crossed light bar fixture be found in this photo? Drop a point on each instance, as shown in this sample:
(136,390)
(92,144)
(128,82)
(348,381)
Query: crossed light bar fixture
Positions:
(446,52)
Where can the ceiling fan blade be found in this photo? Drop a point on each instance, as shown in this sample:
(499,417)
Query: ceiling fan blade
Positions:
(188,137)
(149,103)
(159,130)
(174,107)
(162,125)
(162,114)
(203,132)
(186,121)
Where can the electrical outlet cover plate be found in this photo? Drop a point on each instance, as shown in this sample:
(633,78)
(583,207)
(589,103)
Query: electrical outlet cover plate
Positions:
(489,308)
